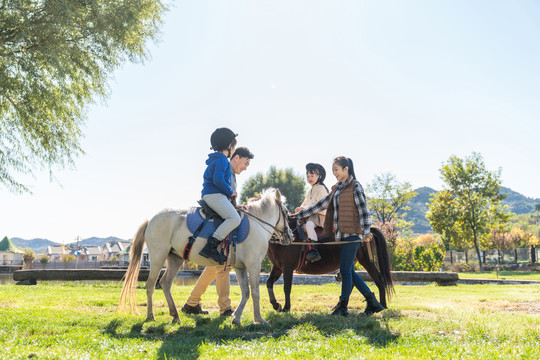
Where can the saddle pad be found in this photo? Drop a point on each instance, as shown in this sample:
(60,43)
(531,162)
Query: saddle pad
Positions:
(194,219)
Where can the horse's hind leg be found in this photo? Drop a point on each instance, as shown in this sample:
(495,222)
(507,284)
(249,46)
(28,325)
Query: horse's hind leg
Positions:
(288,274)
(156,263)
(173,265)
(272,278)
(374,273)
(242,278)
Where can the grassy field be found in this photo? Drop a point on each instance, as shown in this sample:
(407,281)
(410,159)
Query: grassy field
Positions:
(80,321)
(505,275)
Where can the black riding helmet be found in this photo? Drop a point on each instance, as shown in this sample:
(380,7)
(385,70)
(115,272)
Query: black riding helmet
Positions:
(317,169)
(222,138)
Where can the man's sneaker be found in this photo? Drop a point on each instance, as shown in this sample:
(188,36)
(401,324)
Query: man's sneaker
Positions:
(194,310)
(228,312)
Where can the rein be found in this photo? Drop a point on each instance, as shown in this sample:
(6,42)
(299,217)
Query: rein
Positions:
(282,232)
(326,243)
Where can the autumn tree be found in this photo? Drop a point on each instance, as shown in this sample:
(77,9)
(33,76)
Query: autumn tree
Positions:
(470,205)
(288,183)
(388,198)
(56,57)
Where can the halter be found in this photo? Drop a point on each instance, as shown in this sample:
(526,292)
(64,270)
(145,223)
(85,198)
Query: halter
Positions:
(277,235)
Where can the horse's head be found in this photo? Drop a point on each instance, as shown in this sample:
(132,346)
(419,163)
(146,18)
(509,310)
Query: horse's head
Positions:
(284,235)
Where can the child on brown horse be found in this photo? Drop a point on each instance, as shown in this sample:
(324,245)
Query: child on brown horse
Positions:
(315,175)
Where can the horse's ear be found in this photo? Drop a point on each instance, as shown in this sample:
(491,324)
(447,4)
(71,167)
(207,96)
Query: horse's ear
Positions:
(278,195)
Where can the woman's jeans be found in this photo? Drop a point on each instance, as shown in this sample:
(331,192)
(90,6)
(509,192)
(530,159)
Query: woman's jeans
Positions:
(223,206)
(346,266)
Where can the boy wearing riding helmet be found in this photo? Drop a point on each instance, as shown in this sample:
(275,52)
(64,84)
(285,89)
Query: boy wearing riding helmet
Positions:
(217,191)
(315,175)
(349,219)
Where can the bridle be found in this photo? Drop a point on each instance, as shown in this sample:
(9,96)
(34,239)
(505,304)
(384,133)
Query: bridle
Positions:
(277,234)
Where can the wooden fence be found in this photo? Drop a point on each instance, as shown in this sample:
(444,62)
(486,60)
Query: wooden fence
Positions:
(509,256)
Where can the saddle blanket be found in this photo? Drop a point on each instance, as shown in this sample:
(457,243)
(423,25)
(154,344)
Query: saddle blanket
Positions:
(195,219)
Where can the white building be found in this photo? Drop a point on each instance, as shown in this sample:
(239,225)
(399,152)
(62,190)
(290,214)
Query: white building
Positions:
(10,255)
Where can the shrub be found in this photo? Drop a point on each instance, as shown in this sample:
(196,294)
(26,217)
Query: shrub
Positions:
(68,258)
(44,259)
(422,254)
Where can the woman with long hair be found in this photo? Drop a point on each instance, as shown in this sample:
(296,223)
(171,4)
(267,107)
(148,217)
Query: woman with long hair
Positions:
(348,218)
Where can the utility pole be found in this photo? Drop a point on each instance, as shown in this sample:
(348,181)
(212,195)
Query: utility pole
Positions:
(77,253)
(533,249)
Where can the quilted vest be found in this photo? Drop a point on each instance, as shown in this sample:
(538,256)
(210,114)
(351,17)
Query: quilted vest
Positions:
(348,216)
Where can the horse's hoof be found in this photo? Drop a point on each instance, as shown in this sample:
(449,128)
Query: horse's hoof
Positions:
(236,321)
(278,307)
(262,322)
(286,310)
(150,318)
(176,320)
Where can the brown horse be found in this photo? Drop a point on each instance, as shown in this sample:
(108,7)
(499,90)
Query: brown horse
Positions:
(287,258)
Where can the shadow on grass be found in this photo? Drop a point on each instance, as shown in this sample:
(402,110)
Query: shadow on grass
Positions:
(183,341)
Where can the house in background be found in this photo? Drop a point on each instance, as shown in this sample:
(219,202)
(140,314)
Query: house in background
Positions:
(94,253)
(11,257)
(123,257)
(114,248)
(55,253)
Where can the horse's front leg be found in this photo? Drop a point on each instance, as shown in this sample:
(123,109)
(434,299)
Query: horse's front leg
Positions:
(254,271)
(242,278)
(272,278)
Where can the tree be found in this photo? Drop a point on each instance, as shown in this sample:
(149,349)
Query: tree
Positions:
(68,258)
(470,206)
(444,220)
(44,260)
(292,186)
(388,198)
(28,257)
(55,58)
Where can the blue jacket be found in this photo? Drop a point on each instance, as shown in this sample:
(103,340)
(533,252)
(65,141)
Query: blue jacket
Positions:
(217,176)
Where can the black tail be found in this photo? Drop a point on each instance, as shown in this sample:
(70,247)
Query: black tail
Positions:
(383,259)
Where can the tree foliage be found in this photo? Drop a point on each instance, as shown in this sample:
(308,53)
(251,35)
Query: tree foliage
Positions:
(29,256)
(469,206)
(388,198)
(55,58)
(288,183)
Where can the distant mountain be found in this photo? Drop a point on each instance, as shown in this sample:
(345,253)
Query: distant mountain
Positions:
(517,203)
(95,241)
(40,245)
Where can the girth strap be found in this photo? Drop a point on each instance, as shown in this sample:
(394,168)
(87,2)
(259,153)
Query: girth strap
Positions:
(192,238)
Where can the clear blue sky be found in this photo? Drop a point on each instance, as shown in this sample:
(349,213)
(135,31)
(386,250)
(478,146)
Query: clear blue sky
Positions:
(398,86)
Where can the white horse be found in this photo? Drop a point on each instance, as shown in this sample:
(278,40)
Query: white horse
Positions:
(166,236)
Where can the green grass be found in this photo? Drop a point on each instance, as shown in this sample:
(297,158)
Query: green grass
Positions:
(505,275)
(80,321)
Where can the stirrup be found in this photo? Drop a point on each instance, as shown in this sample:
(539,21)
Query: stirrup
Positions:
(313,255)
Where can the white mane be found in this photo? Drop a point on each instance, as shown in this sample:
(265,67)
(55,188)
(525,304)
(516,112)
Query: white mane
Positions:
(261,206)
